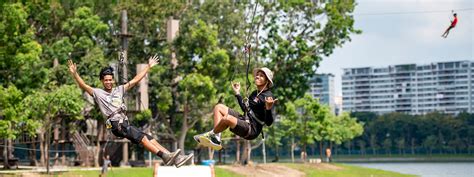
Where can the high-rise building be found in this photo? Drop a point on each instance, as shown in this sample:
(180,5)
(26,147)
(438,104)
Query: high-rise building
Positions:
(322,88)
(410,88)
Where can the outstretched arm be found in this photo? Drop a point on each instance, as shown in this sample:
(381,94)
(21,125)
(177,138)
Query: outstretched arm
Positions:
(80,82)
(151,62)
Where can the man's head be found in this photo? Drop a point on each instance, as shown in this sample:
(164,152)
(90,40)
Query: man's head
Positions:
(107,77)
(263,76)
(455,14)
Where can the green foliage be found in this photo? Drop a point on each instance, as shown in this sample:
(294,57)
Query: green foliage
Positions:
(20,53)
(297,37)
(306,119)
(309,121)
(142,117)
(344,128)
(10,111)
(433,132)
(208,52)
(65,100)
(197,89)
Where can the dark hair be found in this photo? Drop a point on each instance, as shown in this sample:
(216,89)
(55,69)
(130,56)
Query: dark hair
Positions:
(106,71)
(455,14)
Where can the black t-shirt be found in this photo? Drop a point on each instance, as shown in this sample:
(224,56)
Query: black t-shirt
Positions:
(257,105)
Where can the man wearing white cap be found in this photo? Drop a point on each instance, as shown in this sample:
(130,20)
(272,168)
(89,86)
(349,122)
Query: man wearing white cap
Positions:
(257,113)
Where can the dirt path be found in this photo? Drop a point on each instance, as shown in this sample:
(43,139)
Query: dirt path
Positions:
(274,169)
(264,170)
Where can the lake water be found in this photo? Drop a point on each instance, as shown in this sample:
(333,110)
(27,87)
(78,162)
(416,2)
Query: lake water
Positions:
(444,169)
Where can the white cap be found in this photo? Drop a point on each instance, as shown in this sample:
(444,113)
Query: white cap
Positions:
(267,73)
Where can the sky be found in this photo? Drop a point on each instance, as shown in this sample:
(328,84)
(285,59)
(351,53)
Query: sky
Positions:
(404,32)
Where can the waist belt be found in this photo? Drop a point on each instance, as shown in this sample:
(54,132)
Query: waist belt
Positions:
(108,123)
(118,111)
(252,115)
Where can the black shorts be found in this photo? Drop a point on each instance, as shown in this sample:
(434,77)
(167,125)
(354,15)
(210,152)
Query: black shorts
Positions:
(127,131)
(247,130)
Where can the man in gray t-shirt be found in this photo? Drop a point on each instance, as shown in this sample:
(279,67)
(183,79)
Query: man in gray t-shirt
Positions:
(111,105)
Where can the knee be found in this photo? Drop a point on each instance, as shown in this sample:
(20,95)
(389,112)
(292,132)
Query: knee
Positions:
(225,120)
(219,108)
(147,136)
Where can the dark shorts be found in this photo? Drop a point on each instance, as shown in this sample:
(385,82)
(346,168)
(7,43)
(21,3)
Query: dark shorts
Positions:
(127,131)
(247,130)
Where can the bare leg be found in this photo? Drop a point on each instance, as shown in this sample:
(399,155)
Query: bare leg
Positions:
(220,111)
(224,123)
(222,120)
(447,32)
(158,145)
(149,145)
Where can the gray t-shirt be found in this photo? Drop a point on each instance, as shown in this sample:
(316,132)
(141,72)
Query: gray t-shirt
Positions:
(110,102)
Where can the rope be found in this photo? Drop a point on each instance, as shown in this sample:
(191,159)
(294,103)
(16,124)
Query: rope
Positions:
(248,50)
(412,12)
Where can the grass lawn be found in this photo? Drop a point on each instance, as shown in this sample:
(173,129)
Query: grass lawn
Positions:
(347,171)
(220,172)
(115,172)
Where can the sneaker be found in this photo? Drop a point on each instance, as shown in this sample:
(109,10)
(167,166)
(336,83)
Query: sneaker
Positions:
(182,159)
(196,138)
(209,140)
(170,157)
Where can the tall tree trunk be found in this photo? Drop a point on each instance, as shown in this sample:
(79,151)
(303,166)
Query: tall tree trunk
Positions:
(6,165)
(373,144)
(237,152)
(100,137)
(350,147)
(184,129)
(210,153)
(303,153)
(246,152)
(56,142)
(46,149)
(321,149)
(31,155)
(292,149)
(41,141)
(277,153)
(63,144)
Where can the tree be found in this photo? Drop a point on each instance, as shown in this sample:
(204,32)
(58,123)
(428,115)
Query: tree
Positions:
(430,142)
(294,39)
(306,119)
(197,97)
(12,120)
(19,50)
(21,71)
(48,107)
(343,128)
(297,38)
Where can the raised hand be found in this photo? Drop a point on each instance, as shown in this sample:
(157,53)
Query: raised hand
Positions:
(236,87)
(269,101)
(153,60)
(72,66)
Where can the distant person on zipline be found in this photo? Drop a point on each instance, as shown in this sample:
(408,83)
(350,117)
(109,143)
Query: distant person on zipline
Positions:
(111,104)
(257,113)
(453,24)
